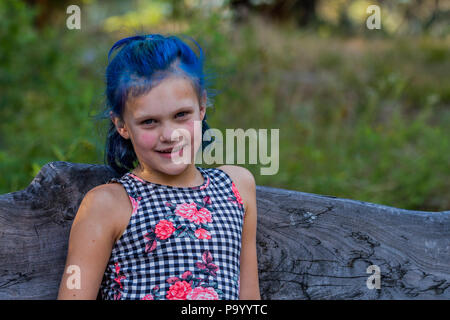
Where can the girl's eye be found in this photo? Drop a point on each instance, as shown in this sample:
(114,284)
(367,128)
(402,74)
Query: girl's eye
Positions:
(183,113)
(148,121)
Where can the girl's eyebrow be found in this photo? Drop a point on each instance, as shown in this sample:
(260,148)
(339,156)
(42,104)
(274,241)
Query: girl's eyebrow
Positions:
(149,116)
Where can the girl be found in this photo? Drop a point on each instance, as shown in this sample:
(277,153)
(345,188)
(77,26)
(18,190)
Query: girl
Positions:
(166,229)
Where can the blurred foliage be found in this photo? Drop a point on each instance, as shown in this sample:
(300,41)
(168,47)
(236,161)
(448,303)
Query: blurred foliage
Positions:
(47,87)
(149,14)
(348,16)
(361,115)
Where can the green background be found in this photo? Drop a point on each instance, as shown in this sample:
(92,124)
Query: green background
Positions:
(363,114)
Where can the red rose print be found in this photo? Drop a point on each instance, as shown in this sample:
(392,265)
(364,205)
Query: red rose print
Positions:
(207,200)
(204,216)
(186,210)
(189,211)
(236,193)
(201,293)
(207,266)
(192,287)
(179,291)
(186,275)
(119,278)
(134,204)
(172,280)
(202,234)
(116,267)
(164,229)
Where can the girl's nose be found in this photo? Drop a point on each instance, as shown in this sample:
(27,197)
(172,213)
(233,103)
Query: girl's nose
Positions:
(170,134)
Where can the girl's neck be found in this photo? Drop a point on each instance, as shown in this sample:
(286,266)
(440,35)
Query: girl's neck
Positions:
(190,177)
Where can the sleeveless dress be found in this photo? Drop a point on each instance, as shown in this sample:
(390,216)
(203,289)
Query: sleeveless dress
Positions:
(180,243)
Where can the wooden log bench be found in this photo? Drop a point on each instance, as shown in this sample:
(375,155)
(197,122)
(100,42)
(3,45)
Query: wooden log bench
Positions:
(309,246)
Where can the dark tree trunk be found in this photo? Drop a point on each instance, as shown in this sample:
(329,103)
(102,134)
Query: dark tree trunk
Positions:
(301,11)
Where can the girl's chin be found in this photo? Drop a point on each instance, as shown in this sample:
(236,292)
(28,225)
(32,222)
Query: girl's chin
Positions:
(172,166)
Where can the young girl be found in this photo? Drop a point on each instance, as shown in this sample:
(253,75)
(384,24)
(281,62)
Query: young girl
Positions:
(166,229)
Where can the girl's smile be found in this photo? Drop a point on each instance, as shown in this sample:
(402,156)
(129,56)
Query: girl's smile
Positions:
(171,153)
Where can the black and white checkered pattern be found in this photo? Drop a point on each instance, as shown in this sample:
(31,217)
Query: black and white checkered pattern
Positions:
(142,271)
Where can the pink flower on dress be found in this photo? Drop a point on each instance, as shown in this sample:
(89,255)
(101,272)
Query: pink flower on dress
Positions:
(134,204)
(207,200)
(119,278)
(179,291)
(148,297)
(189,211)
(151,241)
(204,215)
(202,234)
(164,229)
(206,185)
(239,285)
(116,267)
(236,193)
(136,177)
(207,266)
(186,210)
(201,293)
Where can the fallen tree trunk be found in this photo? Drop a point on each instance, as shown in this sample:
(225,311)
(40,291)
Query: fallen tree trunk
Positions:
(309,246)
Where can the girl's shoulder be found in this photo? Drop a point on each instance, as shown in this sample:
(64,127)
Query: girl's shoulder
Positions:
(108,194)
(239,175)
(108,203)
(243,180)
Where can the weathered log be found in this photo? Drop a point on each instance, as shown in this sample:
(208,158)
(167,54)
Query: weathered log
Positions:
(309,246)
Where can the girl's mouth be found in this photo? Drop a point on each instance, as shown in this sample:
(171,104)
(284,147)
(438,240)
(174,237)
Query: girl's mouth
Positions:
(169,153)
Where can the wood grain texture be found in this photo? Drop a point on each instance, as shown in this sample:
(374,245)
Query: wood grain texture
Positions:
(319,247)
(309,246)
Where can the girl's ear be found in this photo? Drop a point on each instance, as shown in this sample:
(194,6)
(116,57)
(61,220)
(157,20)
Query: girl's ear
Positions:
(203,105)
(120,125)
(202,112)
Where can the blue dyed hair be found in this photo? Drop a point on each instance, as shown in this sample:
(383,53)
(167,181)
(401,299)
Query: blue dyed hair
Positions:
(142,62)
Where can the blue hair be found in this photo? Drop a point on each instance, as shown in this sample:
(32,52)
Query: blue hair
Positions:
(142,62)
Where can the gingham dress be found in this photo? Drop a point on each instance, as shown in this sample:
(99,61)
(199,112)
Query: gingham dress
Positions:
(180,243)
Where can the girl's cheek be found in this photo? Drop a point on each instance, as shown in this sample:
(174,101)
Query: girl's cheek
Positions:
(147,140)
(191,125)
(185,131)
(195,129)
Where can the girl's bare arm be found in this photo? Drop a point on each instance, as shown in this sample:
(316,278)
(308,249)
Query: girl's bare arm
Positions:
(245,183)
(97,225)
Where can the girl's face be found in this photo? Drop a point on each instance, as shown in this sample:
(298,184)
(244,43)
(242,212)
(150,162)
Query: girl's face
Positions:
(153,122)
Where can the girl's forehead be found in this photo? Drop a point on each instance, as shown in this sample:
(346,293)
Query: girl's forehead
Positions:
(167,96)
